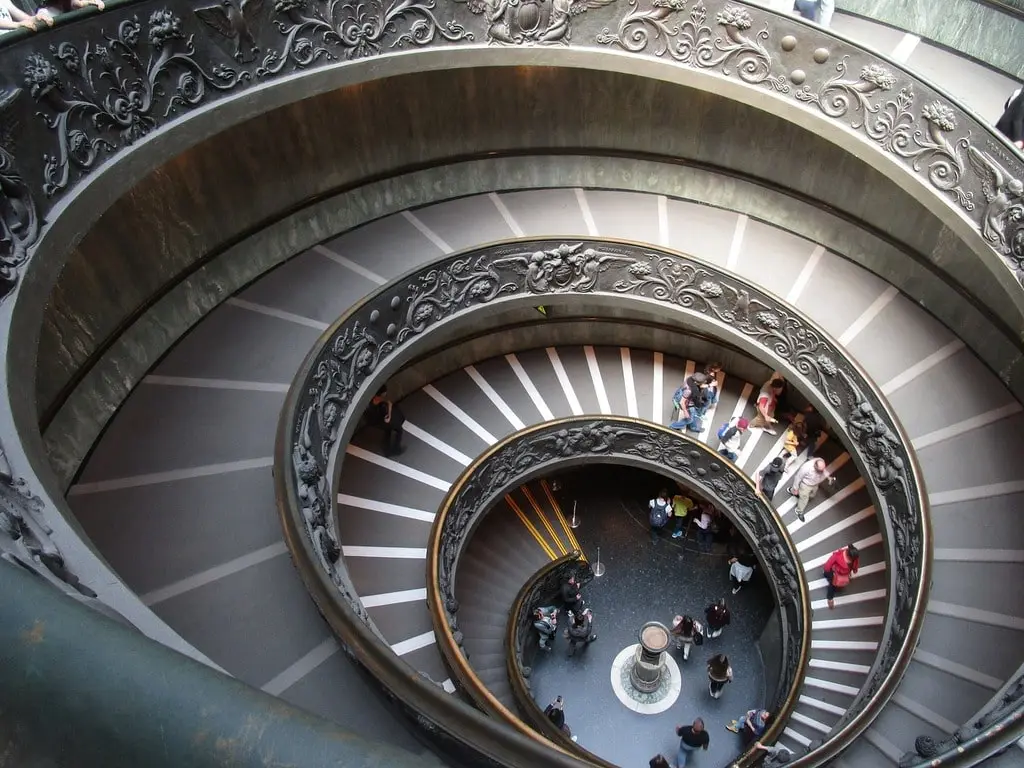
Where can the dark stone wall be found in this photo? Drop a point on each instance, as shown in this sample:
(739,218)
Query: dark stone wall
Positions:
(256,172)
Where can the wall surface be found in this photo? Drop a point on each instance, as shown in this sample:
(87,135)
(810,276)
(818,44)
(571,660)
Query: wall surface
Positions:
(256,173)
(976,28)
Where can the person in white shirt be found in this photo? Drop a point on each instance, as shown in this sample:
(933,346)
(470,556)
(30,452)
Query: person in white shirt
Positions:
(12,17)
(705,532)
(729,445)
(806,482)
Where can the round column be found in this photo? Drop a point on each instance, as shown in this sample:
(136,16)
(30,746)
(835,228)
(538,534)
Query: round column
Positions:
(649,659)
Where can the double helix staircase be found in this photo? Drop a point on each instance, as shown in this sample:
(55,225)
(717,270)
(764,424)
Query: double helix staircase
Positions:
(177,495)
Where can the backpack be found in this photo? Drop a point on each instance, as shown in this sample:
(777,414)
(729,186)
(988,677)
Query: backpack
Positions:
(659,513)
(677,396)
(725,432)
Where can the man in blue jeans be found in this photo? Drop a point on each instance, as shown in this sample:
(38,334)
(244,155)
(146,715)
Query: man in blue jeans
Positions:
(691,738)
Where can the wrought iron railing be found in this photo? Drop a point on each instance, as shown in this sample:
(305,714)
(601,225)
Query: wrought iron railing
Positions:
(365,347)
(580,440)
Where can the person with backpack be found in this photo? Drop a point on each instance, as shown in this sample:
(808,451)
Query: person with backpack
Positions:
(718,618)
(660,510)
(730,435)
(681,506)
(686,632)
(839,570)
(768,478)
(688,402)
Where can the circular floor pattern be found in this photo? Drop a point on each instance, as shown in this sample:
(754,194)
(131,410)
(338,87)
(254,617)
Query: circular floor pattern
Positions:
(645,703)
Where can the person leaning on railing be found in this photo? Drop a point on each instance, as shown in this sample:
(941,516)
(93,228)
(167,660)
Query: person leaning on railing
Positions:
(1011,124)
(54,8)
(12,17)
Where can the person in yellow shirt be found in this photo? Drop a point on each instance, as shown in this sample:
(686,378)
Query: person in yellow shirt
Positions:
(681,506)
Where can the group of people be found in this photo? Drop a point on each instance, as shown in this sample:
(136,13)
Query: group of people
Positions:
(14,17)
(694,737)
(579,633)
(665,508)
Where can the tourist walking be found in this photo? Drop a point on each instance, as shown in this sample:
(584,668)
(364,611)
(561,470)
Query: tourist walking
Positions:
(681,506)
(719,674)
(581,630)
(687,632)
(739,574)
(839,570)
(718,618)
(691,738)
(688,401)
(768,478)
(730,435)
(388,417)
(555,712)
(806,481)
(659,512)
(767,401)
(545,621)
(705,527)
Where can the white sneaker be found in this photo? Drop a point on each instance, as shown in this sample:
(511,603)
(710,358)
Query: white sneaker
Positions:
(736,589)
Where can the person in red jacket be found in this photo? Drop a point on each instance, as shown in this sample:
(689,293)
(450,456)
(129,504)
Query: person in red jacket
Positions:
(839,569)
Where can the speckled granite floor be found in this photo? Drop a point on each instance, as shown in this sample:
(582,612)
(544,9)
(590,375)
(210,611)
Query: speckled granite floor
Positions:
(645,582)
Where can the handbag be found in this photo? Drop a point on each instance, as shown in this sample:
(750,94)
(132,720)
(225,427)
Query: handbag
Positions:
(840,579)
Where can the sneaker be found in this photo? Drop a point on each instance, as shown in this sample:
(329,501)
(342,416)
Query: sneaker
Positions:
(711,691)
(735,590)
(677,534)
(734,726)
(800,517)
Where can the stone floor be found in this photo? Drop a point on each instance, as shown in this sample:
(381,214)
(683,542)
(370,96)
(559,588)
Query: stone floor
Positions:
(644,582)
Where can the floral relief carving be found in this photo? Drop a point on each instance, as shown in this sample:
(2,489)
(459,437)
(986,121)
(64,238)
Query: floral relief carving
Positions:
(531,22)
(19,219)
(323,31)
(694,42)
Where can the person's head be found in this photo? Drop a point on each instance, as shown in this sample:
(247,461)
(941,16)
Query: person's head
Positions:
(764,715)
(382,395)
(819,465)
(579,619)
(777,385)
(659,761)
(698,725)
(777,464)
(742,424)
(719,662)
(852,551)
(712,369)
(699,379)
(663,495)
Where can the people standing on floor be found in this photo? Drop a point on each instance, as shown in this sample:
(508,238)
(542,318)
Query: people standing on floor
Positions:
(818,11)
(839,570)
(686,633)
(739,574)
(730,435)
(555,712)
(751,726)
(572,598)
(388,417)
(811,474)
(545,621)
(681,506)
(658,514)
(705,526)
(767,402)
(717,615)
(719,674)
(691,738)
(1011,123)
(768,479)
(688,402)
(581,632)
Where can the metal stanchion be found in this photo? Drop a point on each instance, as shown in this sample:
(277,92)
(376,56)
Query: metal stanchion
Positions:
(574,523)
(598,566)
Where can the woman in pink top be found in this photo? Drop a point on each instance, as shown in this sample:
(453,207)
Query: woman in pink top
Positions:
(839,569)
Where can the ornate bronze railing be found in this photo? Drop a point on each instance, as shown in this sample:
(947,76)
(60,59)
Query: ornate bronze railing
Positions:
(359,353)
(580,440)
(997,728)
(88,92)
(521,641)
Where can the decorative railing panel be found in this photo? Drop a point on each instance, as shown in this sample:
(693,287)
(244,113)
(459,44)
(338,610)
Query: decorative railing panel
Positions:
(361,350)
(554,445)
(87,92)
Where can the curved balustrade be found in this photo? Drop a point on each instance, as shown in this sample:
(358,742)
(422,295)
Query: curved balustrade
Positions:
(93,91)
(557,444)
(543,588)
(398,323)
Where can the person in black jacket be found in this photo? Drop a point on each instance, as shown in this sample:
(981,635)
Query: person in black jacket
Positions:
(571,597)
(389,417)
(580,630)
(1011,124)
(718,617)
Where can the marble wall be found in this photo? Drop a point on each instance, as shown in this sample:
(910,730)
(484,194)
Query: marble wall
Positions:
(974,27)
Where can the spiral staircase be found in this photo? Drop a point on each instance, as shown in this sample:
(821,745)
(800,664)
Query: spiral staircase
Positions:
(186,461)
(177,494)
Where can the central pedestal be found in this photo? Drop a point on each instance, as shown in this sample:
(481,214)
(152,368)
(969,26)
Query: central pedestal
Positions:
(649,659)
